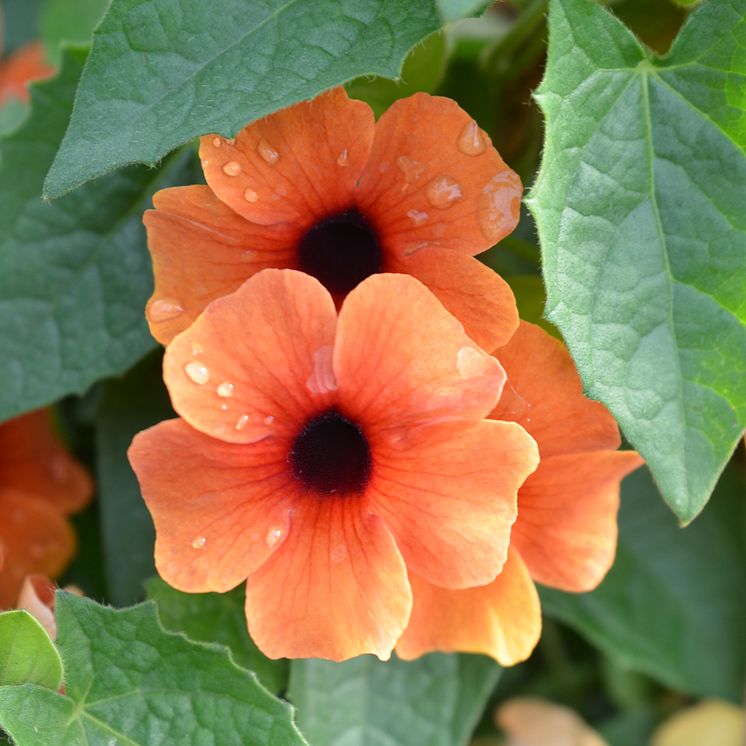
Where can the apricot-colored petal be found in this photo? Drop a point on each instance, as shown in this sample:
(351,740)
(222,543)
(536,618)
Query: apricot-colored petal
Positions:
(219,509)
(434,178)
(255,363)
(33,461)
(37,597)
(545,395)
(23,66)
(448,493)
(36,539)
(476,295)
(203,250)
(501,619)
(337,587)
(295,165)
(567,509)
(401,358)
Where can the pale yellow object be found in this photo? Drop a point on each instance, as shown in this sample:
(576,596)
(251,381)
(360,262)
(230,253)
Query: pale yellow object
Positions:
(536,722)
(709,723)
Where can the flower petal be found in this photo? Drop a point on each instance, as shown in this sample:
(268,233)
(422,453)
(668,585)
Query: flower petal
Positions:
(501,619)
(448,493)
(254,363)
(567,509)
(545,395)
(401,358)
(295,165)
(476,295)
(202,250)
(336,589)
(35,538)
(219,509)
(33,461)
(434,178)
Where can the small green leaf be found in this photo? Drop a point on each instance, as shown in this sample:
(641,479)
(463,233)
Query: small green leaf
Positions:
(435,700)
(162,72)
(217,617)
(127,405)
(129,682)
(673,605)
(74,275)
(63,21)
(422,71)
(640,210)
(27,655)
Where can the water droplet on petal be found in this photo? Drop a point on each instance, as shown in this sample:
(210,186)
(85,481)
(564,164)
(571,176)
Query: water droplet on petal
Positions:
(59,469)
(242,421)
(442,192)
(223,407)
(413,248)
(225,389)
(344,158)
(322,380)
(232,168)
(471,140)
(411,169)
(197,349)
(273,537)
(267,152)
(269,419)
(217,142)
(418,217)
(499,205)
(471,363)
(199,542)
(163,309)
(250,195)
(338,554)
(197,372)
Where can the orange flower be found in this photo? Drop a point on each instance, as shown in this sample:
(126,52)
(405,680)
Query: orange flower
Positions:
(565,535)
(40,483)
(323,455)
(322,188)
(24,66)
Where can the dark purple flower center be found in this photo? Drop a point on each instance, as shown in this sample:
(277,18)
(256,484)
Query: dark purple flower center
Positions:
(341,251)
(331,455)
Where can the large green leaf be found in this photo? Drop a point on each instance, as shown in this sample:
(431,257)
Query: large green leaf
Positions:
(127,405)
(217,617)
(74,275)
(435,700)
(640,209)
(164,71)
(27,655)
(129,682)
(673,605)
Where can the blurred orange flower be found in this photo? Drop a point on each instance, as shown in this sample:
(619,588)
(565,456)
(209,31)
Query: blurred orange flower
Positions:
(325,455)
(40,484)
(322,188)
(566,532)
(17,71)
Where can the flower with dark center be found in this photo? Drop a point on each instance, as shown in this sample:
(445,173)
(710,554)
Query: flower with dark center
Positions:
(326,454)
(323,188)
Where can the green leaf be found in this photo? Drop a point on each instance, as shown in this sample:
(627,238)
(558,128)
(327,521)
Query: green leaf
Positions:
(673,605)
(74,275)
(63,21)
(129,682)
(640,210)
(217,617)
(27,655)
(435,700)
(162,72)
(127,406)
